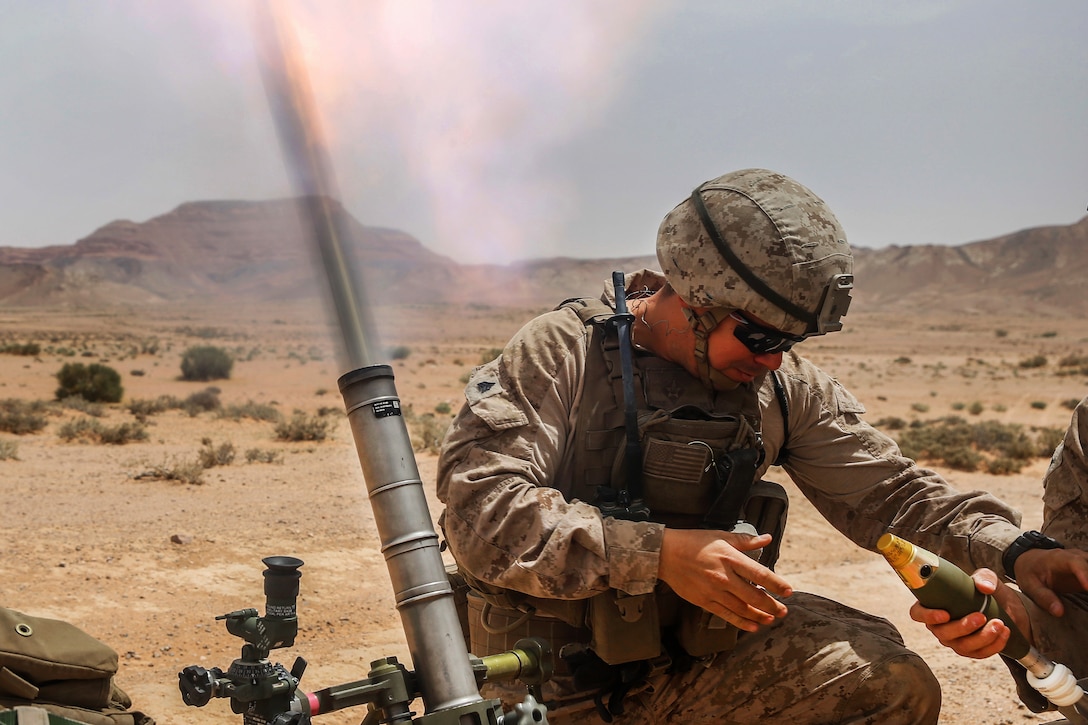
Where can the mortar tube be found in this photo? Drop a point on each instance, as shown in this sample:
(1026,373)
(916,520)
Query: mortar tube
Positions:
(424,597)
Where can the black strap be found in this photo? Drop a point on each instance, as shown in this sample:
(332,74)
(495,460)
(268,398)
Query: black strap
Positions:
(784,406)
(761,288)
(630,495)
(736,472)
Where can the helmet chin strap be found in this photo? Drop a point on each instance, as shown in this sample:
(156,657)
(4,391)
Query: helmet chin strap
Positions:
(701,326)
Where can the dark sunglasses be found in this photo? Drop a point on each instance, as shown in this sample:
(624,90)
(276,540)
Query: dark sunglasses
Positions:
(761,340)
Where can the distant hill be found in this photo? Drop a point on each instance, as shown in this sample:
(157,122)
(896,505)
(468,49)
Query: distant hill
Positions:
(1043,270)
(254,251)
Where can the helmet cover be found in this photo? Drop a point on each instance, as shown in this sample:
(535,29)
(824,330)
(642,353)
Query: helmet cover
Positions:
(794,249)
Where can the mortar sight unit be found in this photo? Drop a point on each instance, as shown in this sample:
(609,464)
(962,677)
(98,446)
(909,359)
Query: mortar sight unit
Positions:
(262,691)
(266,693)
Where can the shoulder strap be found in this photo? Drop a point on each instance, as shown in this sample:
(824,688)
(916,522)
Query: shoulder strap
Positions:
(784,406)
(589,310)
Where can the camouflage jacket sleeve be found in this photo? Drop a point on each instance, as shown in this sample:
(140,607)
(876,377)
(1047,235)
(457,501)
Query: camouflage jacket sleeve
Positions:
(1065,492)
(501,475)
(859,480)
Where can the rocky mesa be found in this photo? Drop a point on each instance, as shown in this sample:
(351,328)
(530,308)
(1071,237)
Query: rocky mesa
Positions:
(258,251)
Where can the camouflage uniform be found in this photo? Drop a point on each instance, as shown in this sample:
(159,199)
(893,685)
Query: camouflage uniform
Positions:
(505,479)
(756,241)
(1065,517)
(1065,497)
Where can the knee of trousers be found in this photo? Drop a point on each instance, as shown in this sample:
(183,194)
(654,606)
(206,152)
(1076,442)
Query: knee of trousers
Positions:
(902,688)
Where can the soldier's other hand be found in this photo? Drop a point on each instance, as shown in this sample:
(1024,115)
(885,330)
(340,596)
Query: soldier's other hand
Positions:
(974,636)
(1043,574)
(711,570)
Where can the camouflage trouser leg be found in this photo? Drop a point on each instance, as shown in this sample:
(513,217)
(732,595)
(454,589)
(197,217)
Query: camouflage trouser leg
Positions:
(823,663)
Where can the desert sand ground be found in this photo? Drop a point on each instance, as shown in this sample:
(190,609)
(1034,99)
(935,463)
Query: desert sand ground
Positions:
(87,538)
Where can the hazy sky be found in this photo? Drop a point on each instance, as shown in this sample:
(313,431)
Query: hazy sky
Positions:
(497,130)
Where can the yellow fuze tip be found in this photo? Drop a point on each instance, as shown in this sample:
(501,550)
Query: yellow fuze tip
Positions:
(897,551)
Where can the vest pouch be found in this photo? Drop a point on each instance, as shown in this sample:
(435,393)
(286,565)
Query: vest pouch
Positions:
(625,628)
(493,630)
(678,458)
(766,509)
(701,633)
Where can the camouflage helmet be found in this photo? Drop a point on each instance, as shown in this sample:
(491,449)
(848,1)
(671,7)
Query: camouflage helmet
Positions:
(758,241)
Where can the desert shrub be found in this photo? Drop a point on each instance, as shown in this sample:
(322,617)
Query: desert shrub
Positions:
(251,410)
(892,423)
(1038,404)
(141,407)
(29,349)
(958,405)
(206,362)
(1000,447)
(204,333)
(490,354)
(302,427)
(919,407)
(9,450)
(1003,466)
(961,459)
(203,401)
(76,402)
(1049,333)
(175,470)
(21,417)
(975,408)
(137,373)
(902,360)
(212,455)
(426,431)
(1001,333)
(122,433)
(89,430)
(96,383)
(399,352)
(1036,361)
(442,408)
(1073,365)
(1070,403)
(1008,439)
(1048,439)
(257,455)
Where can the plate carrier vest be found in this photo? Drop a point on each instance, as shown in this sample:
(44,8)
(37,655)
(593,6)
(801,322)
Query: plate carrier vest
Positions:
(700,453)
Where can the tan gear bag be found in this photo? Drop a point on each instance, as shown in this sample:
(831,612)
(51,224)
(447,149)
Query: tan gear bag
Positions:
(55,666)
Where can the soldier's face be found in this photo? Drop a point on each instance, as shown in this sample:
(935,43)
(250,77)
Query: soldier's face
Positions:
(732,358)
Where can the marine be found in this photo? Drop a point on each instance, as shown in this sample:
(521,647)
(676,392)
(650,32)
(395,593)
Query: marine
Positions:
(752,264)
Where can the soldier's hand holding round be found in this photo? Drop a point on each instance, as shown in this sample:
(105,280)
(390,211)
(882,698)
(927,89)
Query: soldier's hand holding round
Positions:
(974,636)
(711,570)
